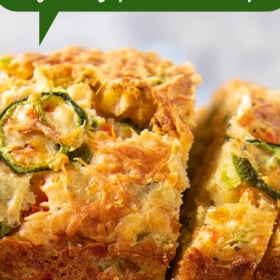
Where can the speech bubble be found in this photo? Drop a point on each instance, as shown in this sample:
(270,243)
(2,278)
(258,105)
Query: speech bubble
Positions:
(48,9)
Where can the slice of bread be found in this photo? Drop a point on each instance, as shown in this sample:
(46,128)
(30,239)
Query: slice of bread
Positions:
(93,148)
(269,268)
(230,212)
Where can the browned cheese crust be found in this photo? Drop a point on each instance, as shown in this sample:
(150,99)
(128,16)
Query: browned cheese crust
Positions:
(114,215)
(269,268)
(200,267)
(229,215)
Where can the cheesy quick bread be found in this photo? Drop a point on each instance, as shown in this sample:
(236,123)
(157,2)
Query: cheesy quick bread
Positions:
(93,149)
(230,214)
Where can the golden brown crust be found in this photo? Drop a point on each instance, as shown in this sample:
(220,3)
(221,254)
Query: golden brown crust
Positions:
(69,260)
(117,215)
(221,207)
(199,267)
(269,268)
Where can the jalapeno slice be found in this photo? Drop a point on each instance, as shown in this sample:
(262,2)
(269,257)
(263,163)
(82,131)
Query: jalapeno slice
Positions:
(248,174)
(35,131)
(51,99)
(4,229)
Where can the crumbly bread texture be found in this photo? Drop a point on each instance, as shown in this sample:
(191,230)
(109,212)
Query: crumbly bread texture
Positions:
(93,147)
(230,213)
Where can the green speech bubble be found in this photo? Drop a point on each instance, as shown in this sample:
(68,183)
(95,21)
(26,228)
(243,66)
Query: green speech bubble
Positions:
(48,9)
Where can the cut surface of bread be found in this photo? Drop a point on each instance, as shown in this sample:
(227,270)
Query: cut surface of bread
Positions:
(230,212)
(93,149)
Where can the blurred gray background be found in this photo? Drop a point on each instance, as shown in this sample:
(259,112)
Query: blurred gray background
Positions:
(221,45)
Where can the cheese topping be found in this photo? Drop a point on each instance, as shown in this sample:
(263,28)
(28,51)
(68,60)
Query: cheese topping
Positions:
(15,197)
(94,148)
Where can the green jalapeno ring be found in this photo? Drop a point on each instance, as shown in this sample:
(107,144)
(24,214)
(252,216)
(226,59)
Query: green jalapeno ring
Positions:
(6,152)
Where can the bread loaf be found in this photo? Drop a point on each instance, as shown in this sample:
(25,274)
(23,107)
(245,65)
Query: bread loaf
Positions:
(94,147)
(231,211)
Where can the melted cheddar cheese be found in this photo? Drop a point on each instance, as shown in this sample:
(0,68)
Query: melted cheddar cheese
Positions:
(115,129)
